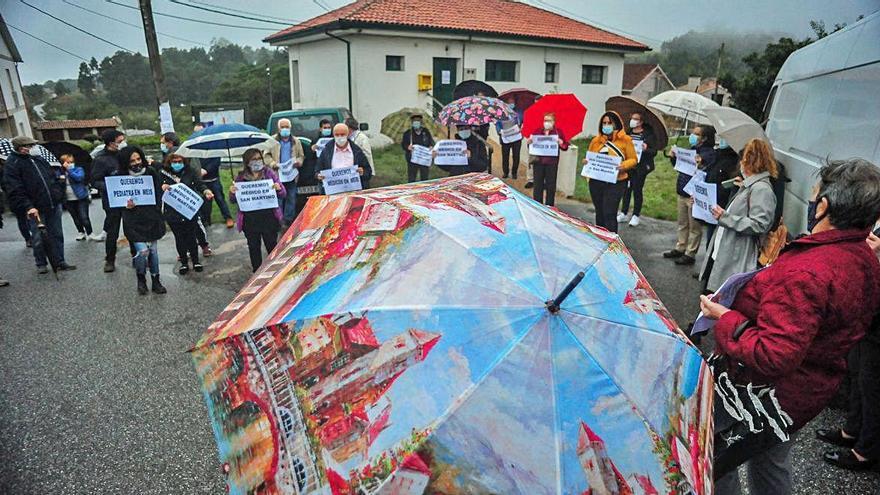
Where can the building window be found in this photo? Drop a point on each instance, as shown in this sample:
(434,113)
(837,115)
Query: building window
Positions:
(294,80)
(394,63)
(593,74)
(339,362)
(551,72)
(501,70)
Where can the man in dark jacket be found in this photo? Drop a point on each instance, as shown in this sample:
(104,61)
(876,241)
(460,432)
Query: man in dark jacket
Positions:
(478,157)
(416,135)
(106,164)
(344,153)
(34,188)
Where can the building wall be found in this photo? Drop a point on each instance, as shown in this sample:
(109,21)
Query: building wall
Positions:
(377,92)
(650,87)
(14,119)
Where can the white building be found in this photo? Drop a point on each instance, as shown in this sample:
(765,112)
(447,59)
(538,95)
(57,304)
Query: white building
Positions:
(14,119)
(379,56)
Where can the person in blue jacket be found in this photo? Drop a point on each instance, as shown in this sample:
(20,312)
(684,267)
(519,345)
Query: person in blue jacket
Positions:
(76,195)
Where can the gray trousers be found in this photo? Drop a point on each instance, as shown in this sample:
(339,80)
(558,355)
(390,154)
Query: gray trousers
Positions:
(769,473)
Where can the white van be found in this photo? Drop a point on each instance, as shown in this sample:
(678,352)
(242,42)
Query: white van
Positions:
(825,103)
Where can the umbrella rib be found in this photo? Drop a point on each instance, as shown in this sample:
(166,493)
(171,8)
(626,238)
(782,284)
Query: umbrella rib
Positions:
(528,231)
(557,421)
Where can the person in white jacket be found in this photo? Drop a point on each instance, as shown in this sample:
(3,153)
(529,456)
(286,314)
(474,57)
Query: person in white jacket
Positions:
(362,140)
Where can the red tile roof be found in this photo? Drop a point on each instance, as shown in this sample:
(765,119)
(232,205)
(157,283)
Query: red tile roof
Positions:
(76,124)
(633,74)
(504,18)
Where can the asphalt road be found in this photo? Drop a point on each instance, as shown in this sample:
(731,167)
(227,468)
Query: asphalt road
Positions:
(97,393)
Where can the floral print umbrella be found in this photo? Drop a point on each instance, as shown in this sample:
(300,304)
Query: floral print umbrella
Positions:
(475,110)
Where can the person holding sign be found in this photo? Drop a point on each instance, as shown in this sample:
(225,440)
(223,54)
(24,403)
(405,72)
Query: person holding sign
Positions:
(476,153)
(343,154)
(545,168)
(735,245)
(690,230)
(174,171)
(645,144)
(259,226)
(143,225)
(286,157)
(325,134)
(416,135)
(510,133)
(612,141)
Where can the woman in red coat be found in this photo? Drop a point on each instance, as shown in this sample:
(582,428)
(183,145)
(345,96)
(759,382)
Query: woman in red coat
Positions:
(800,317)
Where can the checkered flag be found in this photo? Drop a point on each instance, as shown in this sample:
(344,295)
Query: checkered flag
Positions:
(5,148)
(47,155)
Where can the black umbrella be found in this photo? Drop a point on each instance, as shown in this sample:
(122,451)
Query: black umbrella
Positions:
(48,247)
(473,88)
(80,156)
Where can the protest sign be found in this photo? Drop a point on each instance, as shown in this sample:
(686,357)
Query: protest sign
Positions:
(421,155)
(256,195)
(121,188)
(183,199)
(166,123)
(725,295)
(705,197)
(685,160)
(544,145)
(287,172)
(339,180)
(511,134)
(700,176)
(321,143)
(637,144)
(601,167)
(451,152)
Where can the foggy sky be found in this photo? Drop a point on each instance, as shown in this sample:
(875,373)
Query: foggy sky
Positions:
(649,21)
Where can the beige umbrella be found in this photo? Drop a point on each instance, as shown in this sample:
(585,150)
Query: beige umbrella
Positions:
(734,126)
(685,105)
(625,106)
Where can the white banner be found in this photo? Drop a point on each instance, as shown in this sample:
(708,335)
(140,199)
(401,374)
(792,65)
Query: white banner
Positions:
(637,144)
(601,167)
(121,188)
(256,195)
(705,197)
(421,155)
(685,160)
(321,143)
(544,145)
(451,152)
(287,172)
(511,134)
(183,199)
(166,122)
(339,180)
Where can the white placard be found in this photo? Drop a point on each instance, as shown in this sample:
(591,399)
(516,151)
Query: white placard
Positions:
(601,167)
(544,145)
(256,195)
(121,188)
(445,77)
(451,152)
(685,160)
(689,187)
(340,180)
(637,144)
(287,172)
(705,197)
(421,155)
(321,143)
(166,122)
(511,135)
(183,199)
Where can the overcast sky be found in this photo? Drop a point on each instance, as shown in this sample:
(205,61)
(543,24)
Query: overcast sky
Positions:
(650,21)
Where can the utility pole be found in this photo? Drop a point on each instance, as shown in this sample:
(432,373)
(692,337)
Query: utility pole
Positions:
(271,99)
(718,74)
(165,121)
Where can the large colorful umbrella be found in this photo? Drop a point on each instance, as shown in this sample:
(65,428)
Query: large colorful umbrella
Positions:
(453,336)
(475,111)
(570,113)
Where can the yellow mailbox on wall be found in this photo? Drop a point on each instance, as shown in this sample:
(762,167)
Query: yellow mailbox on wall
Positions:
(426,82)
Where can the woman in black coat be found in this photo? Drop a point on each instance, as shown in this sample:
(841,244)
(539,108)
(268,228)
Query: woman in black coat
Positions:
(143,225)
(175,171)
(725,167)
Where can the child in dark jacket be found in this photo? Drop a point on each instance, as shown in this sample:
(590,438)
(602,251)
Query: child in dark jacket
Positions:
(175,171)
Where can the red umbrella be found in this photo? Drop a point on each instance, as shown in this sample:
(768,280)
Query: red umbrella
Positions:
(523,98)
(570,113)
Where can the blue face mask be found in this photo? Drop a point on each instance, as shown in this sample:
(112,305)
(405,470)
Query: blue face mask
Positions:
(465,134)
(177,166)
(607,129)
(326,132)
(284,132)
(163,147)
(722,144)
(693,139)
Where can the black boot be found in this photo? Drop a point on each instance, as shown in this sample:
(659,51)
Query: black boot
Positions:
(158,288)
(142,284)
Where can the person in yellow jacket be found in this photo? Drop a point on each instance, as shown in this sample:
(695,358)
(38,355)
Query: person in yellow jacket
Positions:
(611,140)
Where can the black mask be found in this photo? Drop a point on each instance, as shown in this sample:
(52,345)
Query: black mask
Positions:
(812,221)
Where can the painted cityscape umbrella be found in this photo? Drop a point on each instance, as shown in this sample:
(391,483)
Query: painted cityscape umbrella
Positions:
(473,87)
(523,98)
(734,126)
(453,336)
(626,106)
(224,140)
(685,105)
(475,111)
(570,113)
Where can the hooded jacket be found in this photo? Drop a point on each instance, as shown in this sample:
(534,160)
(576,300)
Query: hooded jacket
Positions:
(30,182)
(621,141)
(145,223)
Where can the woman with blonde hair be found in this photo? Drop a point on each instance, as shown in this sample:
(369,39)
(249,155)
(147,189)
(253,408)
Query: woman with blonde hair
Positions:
(736,243)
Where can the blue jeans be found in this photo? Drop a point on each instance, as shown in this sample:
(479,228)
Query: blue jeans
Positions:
(52,219)
(289,205)
(217,189)
(146,253)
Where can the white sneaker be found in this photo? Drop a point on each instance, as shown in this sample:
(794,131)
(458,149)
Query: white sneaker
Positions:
(634,221)
(621,216)
(99,237)
(81,236)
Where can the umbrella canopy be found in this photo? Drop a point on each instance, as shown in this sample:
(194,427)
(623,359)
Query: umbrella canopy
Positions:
(473,87)
(625,106)
(223,140)
(395,124)
(523,98)
(80,156)
(402,337)
(570,113)
(734,126)
(475,110)
(683,104)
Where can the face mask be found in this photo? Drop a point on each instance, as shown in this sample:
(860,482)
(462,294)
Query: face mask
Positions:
(812,221)
(548,125)
(607,129)
(417,125)
(177,166)
(340,141)
(121,145)
(464,134)
(633,123)
(693,139)
(136,169)
(34,152)
(722,144)
(284,132)
(163,147)
(256,165)
(326,132)
(512,106)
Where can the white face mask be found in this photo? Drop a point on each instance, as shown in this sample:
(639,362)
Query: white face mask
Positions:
(340,140)
(121,145)
(548,125)
(34,151)
(633,123)
(256,165)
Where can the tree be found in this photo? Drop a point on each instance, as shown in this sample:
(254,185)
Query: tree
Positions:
(86,80)
(61,89)
(251,85)
(127,79)
(35,94)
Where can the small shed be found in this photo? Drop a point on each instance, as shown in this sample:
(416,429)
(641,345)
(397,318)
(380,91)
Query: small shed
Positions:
(68,130)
